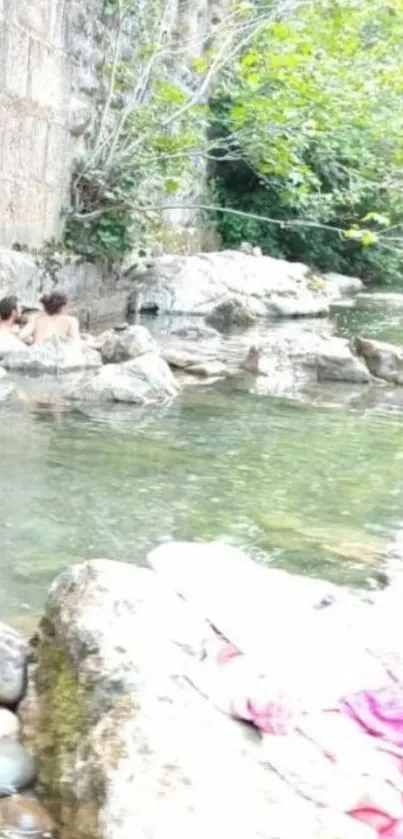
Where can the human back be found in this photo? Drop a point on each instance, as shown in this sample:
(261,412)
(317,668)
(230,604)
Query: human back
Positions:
(52,322)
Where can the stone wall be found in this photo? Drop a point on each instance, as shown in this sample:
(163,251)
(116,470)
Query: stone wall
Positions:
(51,52)
(39,77)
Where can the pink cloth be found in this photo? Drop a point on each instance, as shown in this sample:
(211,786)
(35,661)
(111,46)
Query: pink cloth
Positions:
(366,748)
(380,712)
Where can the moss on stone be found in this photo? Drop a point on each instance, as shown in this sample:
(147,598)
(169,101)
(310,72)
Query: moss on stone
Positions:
(62,713)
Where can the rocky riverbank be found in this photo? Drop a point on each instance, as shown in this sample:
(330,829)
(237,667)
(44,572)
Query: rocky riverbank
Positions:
(137,726)
(176,284)
(127,365)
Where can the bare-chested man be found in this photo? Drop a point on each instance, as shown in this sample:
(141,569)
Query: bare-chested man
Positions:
(52,322)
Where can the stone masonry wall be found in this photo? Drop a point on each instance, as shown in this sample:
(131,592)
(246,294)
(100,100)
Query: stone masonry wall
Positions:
(39,129)
(50,55)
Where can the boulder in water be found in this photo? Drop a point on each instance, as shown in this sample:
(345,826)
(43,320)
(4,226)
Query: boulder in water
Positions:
(56,355)
(336,362)
(142,381)
(231,313)
(13,665)
(384,361)
(118,345)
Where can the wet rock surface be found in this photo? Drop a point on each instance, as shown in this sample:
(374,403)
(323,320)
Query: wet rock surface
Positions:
(13,665)
(123,344)
(23,817)
(54,356)
(17,768)
(142,381)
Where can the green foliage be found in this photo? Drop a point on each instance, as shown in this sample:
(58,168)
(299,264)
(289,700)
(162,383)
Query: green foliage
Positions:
(146,133)
(311,115)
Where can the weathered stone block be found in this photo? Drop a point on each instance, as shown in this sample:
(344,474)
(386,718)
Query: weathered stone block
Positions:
(33,147)
(56,166)
(45,75)
(17,52)
(35,15)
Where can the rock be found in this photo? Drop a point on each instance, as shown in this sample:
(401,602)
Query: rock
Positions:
(183,359)
(231,313)
(24,817)
(17,768)
(118,345)
(196,284)
(13,665)
(341,286)
(246,247)
(196,332)
(142,381)
(131,748)
(54,356)
(208,369)
(9,725)
(305,305)
(385,361)
(337,363)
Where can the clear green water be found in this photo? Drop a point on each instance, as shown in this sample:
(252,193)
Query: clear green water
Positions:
(319,490)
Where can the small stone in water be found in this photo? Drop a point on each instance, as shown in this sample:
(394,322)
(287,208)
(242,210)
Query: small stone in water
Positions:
(13,661)
(25,816)
(17,767)
(9,725)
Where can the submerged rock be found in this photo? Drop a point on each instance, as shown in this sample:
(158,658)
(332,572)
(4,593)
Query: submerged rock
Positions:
(13,665)
(54,356)
(118,345)
(196,332)
(144,380)
(17,768)
(24,817)
(385,361)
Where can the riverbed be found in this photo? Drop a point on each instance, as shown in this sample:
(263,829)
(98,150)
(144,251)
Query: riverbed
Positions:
(312,488)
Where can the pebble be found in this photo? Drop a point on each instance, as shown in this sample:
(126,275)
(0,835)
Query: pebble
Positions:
(25,817)
(13,665)
(17,767)
(9,725)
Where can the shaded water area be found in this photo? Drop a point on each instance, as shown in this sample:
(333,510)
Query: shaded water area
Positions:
(314,489)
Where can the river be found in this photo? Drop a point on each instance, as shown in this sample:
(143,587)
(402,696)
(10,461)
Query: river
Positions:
(313,489)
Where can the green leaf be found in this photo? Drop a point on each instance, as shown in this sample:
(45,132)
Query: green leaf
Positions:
(171,185)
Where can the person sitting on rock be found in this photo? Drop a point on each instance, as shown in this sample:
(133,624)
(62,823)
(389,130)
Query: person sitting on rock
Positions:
(53,322)
(9,320)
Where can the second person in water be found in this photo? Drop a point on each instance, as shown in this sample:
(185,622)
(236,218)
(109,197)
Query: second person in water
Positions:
(53,321)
